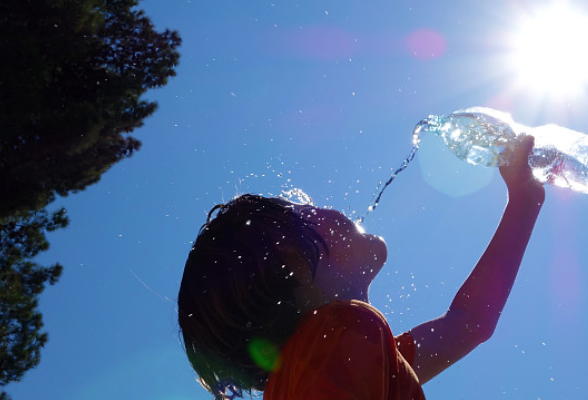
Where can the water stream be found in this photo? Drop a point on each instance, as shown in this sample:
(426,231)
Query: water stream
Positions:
(416,140)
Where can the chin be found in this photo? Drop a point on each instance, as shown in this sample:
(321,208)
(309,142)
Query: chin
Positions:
(379,251)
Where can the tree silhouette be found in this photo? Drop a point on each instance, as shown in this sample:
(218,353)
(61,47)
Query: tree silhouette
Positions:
(71,79)
(21,282)
(70,85)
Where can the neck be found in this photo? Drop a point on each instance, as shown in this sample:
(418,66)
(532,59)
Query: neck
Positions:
(311,297)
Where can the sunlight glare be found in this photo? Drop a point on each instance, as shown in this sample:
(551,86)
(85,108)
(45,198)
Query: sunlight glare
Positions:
(549,51)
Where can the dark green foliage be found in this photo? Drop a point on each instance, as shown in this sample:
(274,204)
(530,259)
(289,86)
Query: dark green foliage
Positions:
(71,78)
(72,75)
(21,282)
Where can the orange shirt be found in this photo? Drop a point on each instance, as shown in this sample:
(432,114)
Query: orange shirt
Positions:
(345,351)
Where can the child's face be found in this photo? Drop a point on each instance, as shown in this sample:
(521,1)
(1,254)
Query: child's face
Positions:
(354,257)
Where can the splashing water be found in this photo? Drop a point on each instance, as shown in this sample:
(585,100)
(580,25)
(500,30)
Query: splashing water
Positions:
(297,195)
(416,140)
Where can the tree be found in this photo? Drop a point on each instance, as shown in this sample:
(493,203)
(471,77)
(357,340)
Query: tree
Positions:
(21,283)
(71,80)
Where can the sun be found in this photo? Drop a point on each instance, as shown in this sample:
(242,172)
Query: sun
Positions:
(549,51)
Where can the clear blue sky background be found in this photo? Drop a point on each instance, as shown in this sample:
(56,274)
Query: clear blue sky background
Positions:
(320,95)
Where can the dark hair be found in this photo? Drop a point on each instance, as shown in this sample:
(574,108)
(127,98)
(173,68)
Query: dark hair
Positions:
(237,291)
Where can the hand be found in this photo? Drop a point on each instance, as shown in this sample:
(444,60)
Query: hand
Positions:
(518,175)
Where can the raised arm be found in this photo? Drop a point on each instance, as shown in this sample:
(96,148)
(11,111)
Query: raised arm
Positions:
(474,312)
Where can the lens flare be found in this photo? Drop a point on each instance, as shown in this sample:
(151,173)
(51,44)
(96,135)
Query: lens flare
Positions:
(264,353)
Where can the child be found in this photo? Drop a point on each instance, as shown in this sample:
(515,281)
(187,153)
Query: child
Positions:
(274,298)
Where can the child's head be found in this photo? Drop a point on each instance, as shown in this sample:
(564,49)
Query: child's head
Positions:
(238,287)
(255,268)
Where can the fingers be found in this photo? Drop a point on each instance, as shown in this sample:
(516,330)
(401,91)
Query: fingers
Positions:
(524,149)
(518,175)
(518,170)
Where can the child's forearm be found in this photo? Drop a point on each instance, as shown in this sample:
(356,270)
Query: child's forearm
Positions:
(483,295)
(475,309)
(481,298)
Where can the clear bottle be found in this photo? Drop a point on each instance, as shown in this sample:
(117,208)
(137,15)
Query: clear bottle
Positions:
(484,136)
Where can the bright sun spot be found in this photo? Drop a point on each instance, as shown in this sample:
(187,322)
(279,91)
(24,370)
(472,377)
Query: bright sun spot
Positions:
(549,51)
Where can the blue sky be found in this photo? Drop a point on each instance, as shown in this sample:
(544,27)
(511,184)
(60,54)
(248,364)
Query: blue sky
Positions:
(323,96)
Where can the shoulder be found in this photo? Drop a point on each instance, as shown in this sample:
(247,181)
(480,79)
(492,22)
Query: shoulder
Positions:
(346,318)
(350,310)
(357,322)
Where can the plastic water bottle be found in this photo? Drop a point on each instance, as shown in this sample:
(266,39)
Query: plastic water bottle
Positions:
(484,136)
